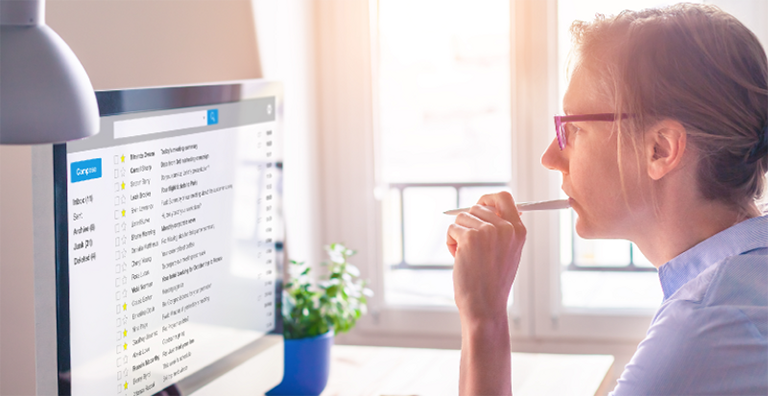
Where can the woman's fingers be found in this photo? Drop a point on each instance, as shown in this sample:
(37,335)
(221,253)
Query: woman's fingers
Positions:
(486,243)
(504,204)
(475,220)
(455,234)
(498,210)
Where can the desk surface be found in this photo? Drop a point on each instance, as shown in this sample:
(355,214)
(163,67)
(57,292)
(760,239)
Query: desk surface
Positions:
(377,371)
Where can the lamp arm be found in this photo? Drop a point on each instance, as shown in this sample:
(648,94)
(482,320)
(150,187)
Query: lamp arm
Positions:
(22,12)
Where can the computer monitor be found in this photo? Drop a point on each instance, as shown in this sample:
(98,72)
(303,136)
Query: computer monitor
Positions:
(169,236)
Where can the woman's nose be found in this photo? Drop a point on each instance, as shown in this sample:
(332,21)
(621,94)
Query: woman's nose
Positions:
(554,159)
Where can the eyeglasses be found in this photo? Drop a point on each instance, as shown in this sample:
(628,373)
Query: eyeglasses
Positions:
(561,120)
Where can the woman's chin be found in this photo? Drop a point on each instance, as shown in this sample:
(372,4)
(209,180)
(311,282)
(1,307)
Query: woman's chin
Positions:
(587,230)
(582,230)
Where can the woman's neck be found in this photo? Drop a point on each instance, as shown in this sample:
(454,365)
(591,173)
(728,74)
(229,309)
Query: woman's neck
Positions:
(682,224)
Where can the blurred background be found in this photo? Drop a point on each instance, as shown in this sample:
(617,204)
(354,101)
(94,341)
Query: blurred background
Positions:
(407,108)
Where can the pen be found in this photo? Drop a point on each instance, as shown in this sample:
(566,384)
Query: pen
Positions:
(526,206)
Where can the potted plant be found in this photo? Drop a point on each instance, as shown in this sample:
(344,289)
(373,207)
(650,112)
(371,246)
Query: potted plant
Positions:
(313,312)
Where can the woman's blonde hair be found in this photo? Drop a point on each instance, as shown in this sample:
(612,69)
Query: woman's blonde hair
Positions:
(699,66)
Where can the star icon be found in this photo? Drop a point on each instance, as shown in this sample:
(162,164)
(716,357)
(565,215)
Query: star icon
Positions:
(123,212)
(125,386)
(122,186)
(125,306)
(125,346)
(122,158)
(125,333)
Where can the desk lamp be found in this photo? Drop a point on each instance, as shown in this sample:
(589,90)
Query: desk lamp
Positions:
(45,94)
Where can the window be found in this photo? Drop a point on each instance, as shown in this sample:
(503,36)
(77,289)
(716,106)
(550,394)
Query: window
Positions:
(442,72)
(426,111)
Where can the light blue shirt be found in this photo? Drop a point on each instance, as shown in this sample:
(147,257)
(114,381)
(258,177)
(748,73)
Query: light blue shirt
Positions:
(709,335)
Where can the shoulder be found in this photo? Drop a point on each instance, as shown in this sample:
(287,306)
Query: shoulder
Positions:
(724,300)
(740,280)
(708,337)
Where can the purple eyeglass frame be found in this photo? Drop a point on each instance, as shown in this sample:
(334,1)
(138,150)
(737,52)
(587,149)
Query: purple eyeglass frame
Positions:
(560,120)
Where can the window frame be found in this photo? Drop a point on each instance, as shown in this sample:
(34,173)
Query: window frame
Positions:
(348,125)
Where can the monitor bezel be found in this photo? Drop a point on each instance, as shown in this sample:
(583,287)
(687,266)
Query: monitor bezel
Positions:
(117,102)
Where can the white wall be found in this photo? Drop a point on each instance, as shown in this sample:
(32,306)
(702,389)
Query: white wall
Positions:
(17,326)
(128,44)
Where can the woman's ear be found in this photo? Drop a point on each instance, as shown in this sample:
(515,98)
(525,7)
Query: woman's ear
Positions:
(664,147)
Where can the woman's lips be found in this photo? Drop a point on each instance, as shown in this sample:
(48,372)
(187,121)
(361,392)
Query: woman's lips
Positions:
(572,203)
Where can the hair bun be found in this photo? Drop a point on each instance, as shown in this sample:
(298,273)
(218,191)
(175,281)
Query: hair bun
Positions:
(760,149)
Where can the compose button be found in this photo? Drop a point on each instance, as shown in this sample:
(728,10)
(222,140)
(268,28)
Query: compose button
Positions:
(85,170)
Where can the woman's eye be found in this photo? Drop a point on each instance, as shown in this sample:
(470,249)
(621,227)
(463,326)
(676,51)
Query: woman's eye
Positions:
(570,129)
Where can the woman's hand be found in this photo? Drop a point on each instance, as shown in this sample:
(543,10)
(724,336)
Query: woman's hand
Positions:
(486,244)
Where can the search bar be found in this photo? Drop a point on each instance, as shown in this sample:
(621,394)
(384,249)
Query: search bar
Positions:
(165,123)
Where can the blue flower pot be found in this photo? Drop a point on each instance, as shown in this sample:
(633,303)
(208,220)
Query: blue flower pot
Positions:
(307,363)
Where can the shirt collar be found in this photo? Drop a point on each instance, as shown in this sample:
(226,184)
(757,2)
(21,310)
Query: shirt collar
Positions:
(745,236)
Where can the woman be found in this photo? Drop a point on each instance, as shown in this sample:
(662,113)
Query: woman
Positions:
(666,145)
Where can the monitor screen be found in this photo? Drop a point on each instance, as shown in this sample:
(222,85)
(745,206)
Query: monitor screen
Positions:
(169,236)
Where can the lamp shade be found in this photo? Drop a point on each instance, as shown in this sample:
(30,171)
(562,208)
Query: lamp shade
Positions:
(45,93)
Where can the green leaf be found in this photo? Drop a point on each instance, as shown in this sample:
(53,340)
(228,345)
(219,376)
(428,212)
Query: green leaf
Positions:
(313,305)
(353,270)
